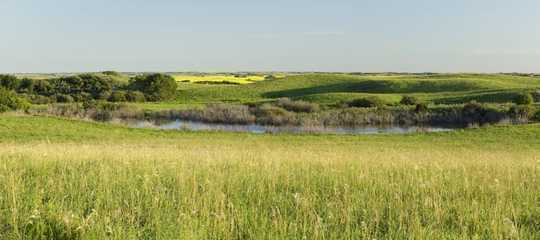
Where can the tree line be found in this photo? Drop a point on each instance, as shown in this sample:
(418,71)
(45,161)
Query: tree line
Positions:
(105,86)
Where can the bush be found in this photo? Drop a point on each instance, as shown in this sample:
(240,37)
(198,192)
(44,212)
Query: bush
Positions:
(421,108)
(9,82)
(135,96)
(521,113)
(408,100)
(524,99)
(118,96)
(39,99)
(368,102)
(26,85)
(536,96)
(156,87)
(474,112)
(536,116)
(297,106)
(271,115)
(63,98)
(9,101)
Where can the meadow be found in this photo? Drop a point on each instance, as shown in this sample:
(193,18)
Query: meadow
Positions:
(328,89)
(71,179)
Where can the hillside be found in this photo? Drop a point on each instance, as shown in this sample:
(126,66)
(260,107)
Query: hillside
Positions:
(331,88)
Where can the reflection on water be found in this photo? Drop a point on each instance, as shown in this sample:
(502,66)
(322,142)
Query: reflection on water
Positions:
(255,128)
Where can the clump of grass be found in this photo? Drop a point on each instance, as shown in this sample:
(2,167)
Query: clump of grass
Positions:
(268,114)
(409,100)
(367,102)
(217,113)
(297,106)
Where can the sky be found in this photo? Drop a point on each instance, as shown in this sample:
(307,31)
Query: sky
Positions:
(276,35)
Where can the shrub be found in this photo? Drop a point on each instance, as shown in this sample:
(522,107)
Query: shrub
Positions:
(271,115)
(135,96)
(297,106)
(536,116)
(521,113)
(26,85)
(156,87)
(42,87)
(474,112)
(9,101)
(536,96)
(421,108)
(524,99)
(9,82)
(118,96)
(409,100)
(368,102)
(63,98)
(39,99)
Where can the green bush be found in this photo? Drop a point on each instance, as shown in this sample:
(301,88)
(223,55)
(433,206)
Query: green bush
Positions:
(63,98)
(368,102)
(536,116)
(26,85)
(39,99)
(135,96)
(421,108)
(9,101)
(118,96)
(156,87)
(524,112)
(408,100)
(536,96)
(297,106)
(524,99)
(9,82)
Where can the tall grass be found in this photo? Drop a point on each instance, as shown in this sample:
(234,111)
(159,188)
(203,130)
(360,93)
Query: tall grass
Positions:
(58,182)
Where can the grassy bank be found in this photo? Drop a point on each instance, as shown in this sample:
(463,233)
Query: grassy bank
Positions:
(70,179)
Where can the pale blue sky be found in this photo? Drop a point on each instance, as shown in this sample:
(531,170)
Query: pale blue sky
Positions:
(277,35)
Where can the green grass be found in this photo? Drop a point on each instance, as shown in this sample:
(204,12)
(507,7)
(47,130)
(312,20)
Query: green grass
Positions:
(332,88)
(67,179)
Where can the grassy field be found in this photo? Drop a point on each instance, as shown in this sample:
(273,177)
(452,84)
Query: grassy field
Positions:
(67,179)
(331,88)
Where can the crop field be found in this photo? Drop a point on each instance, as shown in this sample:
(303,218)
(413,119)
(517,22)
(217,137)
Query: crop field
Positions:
(219,78)
(70,179)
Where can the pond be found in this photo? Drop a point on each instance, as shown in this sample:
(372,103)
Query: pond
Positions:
(256,128)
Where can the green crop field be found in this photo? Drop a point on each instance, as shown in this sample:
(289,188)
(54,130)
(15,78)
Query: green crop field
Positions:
(69,179)
(332,88)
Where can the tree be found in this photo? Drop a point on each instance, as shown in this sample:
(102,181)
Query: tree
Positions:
(9,101)
(524,99)
(9,82)
(156,87)
(118,96)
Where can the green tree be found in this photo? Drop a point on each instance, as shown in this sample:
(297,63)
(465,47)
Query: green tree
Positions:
(9,82)
(9,101)
(156,87)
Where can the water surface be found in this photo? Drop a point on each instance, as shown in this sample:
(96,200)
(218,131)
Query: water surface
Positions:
(256,128)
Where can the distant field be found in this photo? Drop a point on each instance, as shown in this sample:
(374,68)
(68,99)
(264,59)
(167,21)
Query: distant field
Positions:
(232,79)
(332,88)
(66,179)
